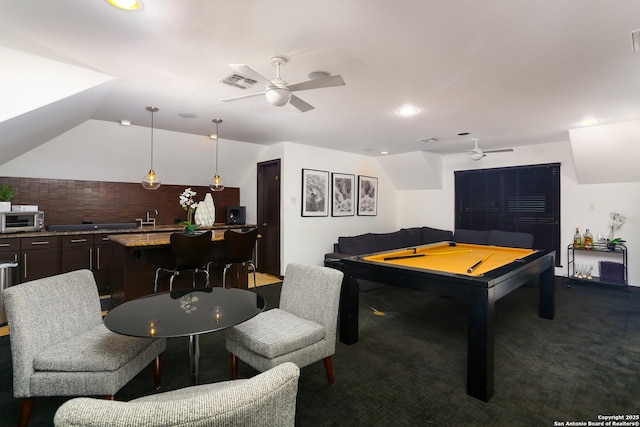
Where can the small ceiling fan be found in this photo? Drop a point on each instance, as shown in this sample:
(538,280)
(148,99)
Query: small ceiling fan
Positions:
(277,91)
(477,153)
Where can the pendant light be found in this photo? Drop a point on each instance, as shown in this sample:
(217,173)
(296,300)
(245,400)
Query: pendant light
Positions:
(217,184)
(151,181)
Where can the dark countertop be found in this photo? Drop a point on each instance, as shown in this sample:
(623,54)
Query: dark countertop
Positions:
(143,229)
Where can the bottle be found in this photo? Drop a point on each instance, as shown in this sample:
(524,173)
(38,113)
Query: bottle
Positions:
(588,240)
(577,239)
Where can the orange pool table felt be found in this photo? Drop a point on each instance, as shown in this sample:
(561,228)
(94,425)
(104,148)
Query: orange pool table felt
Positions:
(452,259)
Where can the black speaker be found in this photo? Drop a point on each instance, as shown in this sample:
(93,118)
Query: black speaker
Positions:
(236,214)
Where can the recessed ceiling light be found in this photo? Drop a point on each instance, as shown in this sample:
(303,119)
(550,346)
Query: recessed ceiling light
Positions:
(407,111)
(126,4)
(125,122)
(588,122)
(384,152)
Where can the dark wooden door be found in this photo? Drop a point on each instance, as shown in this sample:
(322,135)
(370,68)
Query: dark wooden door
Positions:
(268,253)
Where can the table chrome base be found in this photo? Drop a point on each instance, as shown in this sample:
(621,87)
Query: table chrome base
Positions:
(194,358)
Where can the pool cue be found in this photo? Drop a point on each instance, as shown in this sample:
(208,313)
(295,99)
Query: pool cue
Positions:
(449,252)
(473,267)
(390,258)
(415,255)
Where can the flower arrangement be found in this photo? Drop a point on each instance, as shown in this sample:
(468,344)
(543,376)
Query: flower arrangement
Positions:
(617,219)
(189,205)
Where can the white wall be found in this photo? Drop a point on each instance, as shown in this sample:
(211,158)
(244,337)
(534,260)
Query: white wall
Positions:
(435,207)
(307,239)
(106,151)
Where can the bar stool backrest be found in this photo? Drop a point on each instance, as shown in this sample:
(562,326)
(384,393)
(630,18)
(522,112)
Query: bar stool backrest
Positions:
(190,250)
(240,245)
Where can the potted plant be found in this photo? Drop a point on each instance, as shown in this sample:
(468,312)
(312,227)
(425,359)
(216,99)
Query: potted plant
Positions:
(611,245)
(617,219)
(189,205)
(7,192)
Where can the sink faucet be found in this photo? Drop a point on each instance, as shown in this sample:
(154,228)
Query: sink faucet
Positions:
(150,220)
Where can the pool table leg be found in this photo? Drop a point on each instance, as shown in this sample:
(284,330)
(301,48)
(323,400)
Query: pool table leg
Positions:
(349,307)
(547,296)
(480,343)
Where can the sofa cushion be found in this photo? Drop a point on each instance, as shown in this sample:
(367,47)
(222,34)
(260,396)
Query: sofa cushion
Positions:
(96,350)
(511,239)
(471,236)
(395,240)
(276,332)
(357,245)
(432,235)
(415,234)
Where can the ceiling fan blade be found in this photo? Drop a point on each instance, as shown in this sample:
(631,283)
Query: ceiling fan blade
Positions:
(502,150)
(329,81)
(235,98)
(250,72)
(300,104)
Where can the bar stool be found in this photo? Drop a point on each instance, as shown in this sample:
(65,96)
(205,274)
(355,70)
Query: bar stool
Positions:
(238,251)
(191,253)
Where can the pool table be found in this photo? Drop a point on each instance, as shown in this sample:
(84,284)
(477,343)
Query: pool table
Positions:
(479,274)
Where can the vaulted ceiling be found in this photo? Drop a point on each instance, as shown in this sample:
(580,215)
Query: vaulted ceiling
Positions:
(511,73)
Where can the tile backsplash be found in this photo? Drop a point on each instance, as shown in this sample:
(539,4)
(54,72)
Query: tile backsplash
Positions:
(72,201)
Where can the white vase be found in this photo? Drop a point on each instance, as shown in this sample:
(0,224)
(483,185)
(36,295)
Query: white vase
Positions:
(206,211)
(5,206)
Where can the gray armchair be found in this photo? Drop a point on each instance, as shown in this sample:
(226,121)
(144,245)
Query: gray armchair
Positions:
(60,346)
(302,330)
(268,399)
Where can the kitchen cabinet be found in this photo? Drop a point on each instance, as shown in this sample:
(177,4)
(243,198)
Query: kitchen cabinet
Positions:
(10,251)
(39,257)
(102,263)
(91,252)
(77,252)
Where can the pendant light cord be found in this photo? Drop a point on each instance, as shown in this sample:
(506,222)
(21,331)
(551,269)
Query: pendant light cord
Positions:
(152,139)
(217,145)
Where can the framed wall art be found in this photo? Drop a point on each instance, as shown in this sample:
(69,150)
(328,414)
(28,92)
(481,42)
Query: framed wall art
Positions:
(367,195)
(315,193)
(343,197)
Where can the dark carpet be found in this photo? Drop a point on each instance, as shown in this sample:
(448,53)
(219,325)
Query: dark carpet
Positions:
(409,367)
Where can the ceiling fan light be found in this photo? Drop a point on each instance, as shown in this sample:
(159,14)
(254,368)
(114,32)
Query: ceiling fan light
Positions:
(476,156)
(278,96)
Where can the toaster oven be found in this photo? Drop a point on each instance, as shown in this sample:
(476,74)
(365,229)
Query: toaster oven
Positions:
(14,222)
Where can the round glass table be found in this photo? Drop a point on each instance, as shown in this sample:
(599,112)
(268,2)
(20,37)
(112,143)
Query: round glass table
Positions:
(187,312)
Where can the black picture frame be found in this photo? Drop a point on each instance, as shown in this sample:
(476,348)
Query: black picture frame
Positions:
(315,193)
(367,195)
(343,190)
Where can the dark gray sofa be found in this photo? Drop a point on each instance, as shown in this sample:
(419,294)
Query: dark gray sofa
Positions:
(416,236)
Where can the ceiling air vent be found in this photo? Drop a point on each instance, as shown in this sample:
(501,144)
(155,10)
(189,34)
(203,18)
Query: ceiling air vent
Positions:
(239,81)
(428,139)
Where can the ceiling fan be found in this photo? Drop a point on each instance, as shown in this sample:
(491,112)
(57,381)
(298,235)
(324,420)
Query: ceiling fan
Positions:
(278,91)
(477,153)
